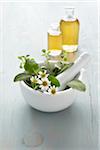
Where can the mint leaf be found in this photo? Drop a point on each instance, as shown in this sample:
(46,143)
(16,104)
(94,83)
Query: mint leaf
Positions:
(21,77)
(23,60)
(54,81)
(77,84)
(31,66)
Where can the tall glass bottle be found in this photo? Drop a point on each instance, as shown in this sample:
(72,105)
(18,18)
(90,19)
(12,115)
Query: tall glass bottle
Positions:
(54,40)
(69,26)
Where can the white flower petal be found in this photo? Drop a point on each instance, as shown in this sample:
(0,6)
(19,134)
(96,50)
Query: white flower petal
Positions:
(40,72)
(52,90)
(39,76)
(45,71)
(34,79)
(44,88)
(39,81)
(44,84)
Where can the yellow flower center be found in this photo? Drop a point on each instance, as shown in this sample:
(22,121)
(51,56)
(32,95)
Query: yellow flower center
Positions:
(53,91)
(34,81)
(43,75)
(44,83)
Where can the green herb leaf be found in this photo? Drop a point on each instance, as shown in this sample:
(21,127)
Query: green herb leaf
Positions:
(77,84)
(54,81)
(31,66)
(23,60)
(35,86)
(43,50)
(55,71)
(45,53)
(64,55)
(21,77)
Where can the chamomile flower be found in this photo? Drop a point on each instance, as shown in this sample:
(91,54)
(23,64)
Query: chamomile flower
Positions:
(34,79)
(52,90)
(44,84)
(43,74)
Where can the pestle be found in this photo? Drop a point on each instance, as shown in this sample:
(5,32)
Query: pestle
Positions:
(70,73)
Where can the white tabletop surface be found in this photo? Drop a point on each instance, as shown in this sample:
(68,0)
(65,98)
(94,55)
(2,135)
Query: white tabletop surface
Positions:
(23,29)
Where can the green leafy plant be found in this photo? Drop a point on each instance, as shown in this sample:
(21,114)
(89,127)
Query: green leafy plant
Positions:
(46,53)
(43,77)
(22,77)
(54,81)
(77,84)
(64,55)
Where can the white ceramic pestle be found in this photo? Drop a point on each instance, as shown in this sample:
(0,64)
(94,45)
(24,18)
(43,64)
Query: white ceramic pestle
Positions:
(70,73)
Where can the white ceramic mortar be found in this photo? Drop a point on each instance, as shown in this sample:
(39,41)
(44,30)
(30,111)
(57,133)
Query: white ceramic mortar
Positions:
(46,102)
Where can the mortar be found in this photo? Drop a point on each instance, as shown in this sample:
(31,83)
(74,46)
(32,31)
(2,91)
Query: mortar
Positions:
(49,103)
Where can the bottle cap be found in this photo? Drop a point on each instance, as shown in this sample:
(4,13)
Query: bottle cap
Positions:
(54,29)
(55,26)
(69,13)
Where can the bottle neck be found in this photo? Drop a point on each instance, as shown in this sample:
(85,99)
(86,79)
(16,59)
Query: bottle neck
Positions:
(54,29)
(69,14)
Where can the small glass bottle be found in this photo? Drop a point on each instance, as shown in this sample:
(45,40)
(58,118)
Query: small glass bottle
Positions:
(69,26)
(54,41)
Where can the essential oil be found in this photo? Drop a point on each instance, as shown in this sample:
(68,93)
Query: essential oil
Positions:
(54,40)
(69,26)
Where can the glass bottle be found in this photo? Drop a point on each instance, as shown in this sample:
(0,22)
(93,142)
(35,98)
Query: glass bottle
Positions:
(69,26)
(54,40)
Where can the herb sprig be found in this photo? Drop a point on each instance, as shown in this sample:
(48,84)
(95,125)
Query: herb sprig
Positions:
(43,77)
